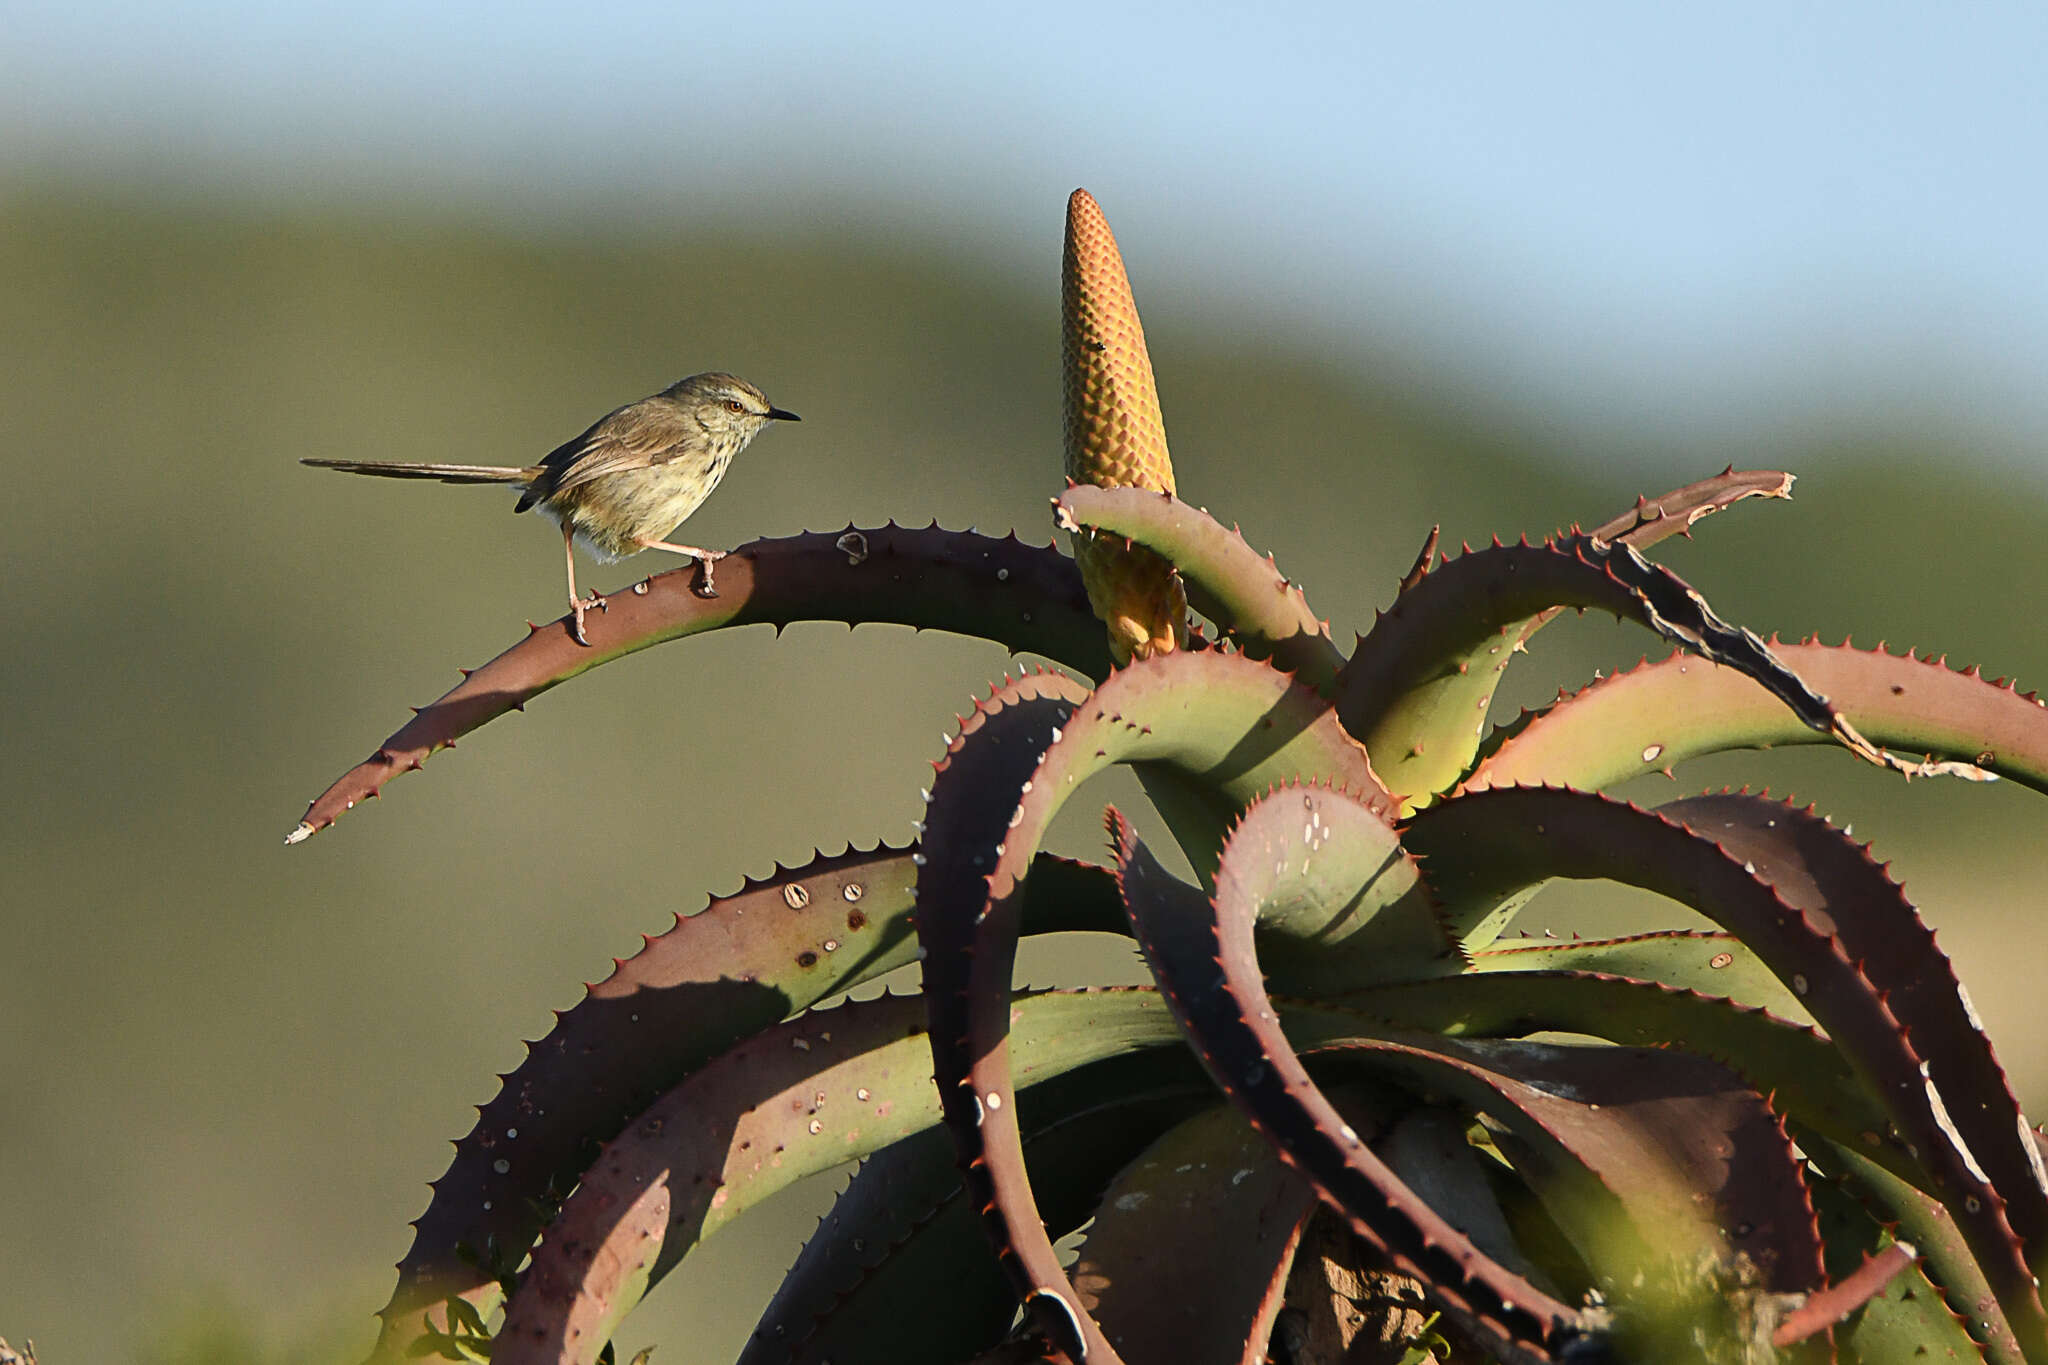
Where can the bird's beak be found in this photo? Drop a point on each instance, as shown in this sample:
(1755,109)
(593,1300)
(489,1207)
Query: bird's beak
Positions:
(778,415)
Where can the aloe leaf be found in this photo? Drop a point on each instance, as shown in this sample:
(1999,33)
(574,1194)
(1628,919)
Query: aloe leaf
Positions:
(777,946)
(1962,1297)
(1417,690)
(1227,580)
(1795,1066)
(1336,899)
(1667,1166)
(1482,848)
(902,1225)
(1161,1295)
(1212,979)
(1713,963)
(1907,1312)
(1819,870)
(1677,512)
(1026,597)
(789,1101)
(1230,722)
(1418,686)
(1428,1146)
(1657,715)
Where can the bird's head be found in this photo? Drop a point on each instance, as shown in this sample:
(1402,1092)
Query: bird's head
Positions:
(728,404)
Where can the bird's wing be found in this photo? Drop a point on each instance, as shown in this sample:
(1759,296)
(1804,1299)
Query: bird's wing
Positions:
(634,437)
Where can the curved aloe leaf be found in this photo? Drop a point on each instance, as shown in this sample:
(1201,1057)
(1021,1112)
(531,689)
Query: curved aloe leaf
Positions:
(1161,1296)
(1657,715)
(1962,1295)
(1437,659)
(1673,1175)
(1027,597)
(902,1225)
(1235,724)
(1909,1319)
(1336,898)
(1417,690)
(790,1101)
(775,947)
(1800,1070)
(1483,848)
(1228,581)
(1818,869)
(1213,983)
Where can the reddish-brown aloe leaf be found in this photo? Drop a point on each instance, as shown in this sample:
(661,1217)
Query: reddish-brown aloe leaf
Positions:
(1485,848)
(1228,581)
(1232,723)
(1820,870)
(1027,597)
(1417,690)
(792,1100)
(1799,1069)
(777,946)
(1675,513)
(1211,976)
(1190,1248)
(1824,1308)
(1657,715)
(902,1226)
(1652,1159)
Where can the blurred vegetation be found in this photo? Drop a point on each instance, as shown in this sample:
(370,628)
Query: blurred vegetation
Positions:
(232,1069)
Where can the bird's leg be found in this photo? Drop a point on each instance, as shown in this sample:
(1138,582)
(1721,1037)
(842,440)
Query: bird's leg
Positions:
(705,559)
(577,605)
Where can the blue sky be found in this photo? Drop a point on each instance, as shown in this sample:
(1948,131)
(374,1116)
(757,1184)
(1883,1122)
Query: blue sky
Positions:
(1713,218)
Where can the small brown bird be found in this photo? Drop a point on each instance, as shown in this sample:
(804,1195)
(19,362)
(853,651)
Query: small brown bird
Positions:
(632,478)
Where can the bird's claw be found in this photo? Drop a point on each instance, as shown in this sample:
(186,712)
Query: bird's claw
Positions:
(580,605)
(704,586)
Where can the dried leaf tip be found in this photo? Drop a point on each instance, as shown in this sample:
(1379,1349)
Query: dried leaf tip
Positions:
(299,835)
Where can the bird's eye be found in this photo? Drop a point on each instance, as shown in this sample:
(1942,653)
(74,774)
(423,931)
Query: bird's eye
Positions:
(735,405)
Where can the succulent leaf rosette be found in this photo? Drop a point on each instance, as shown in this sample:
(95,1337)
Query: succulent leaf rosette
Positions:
(1350,1113)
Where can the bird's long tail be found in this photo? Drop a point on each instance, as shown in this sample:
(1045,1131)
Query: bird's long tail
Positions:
(446,473)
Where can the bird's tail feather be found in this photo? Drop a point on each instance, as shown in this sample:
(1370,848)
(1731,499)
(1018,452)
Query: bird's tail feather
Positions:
(446,473)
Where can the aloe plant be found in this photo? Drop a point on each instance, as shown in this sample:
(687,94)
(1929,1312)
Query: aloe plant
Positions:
(1327,1116)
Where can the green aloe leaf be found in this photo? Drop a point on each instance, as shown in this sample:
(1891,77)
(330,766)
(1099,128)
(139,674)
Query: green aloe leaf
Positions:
(1657,715)
(1713,963)
(1418,686)
(1960,1301)
(1228,581)
(1337,901)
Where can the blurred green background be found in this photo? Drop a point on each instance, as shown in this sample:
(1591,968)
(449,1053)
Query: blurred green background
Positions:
(229,1069)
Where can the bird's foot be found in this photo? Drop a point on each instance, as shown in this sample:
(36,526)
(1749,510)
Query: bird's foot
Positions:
(579,605)
(705,559)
